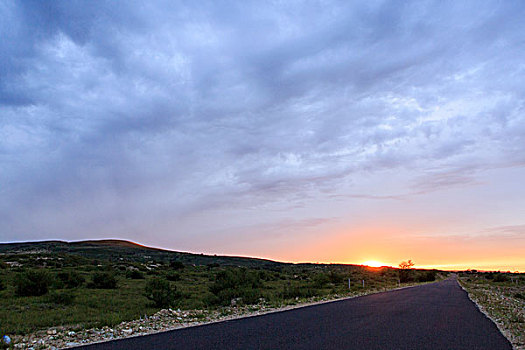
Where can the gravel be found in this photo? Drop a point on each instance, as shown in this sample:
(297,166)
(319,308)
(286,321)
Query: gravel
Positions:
(499,303)
(163,320)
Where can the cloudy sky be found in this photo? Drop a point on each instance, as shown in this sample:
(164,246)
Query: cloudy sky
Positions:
(298,131)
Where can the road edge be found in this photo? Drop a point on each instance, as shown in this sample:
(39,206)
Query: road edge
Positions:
(233,318)
(480,307)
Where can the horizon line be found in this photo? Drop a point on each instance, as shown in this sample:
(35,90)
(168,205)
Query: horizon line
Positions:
(441,267)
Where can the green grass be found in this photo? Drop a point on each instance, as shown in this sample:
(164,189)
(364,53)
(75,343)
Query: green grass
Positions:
(91,307)
(277,285)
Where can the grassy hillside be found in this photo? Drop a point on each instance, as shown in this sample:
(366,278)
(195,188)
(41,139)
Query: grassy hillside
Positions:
(120,250)
(98,283)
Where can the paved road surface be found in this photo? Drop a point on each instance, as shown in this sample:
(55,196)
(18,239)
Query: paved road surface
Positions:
(433,316)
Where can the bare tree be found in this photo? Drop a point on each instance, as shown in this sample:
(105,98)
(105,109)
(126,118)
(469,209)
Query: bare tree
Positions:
(405,271)
(406,265)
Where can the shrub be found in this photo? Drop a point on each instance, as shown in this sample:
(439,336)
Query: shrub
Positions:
(320,280)
(236,296)
(177,265)
(103,280)
(290,292)
(2,285)
(235,279)
(405,275)
(427,276)
(336,277)
(134,275)
(161,292)
(71,279)
(248,295)
(500,277)
(267,276)
(32,283)
(173,276)
(520,295)
(62,298)
(231,284)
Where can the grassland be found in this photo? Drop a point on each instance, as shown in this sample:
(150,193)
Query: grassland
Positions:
(501,296)
(208,283)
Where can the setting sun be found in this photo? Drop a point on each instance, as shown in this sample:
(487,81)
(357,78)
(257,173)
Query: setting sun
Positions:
(373,263)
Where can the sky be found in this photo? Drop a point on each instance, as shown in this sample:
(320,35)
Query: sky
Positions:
(321,131)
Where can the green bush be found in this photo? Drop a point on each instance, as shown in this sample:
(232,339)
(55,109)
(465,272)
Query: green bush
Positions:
(177,265)
(134,275)
(62,298)
(428,276)
(71,279)
(406,275)
(2,285)
(228,279)
(174,276)
(103,280)
(236,283)
(500,277)
(335,277)
(240,295)
(161,292)
(32,283)
(520,295)
(292,292)
(267,276)
(320,280)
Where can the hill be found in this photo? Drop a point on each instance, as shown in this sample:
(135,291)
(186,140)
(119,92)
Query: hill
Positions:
(103,283)
(121,250)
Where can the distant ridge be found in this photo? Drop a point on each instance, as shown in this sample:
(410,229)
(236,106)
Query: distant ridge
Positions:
(58,243)
(119,250)
(114,242)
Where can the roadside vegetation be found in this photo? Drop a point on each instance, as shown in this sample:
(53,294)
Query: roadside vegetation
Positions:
(42,290)
(502,297)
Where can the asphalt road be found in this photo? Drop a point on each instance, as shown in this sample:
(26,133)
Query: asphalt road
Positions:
(433,316)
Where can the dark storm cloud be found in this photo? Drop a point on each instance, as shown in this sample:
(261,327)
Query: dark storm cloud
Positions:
(112,111)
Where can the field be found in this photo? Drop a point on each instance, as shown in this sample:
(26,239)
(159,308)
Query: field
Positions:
(102,286)
(501,296)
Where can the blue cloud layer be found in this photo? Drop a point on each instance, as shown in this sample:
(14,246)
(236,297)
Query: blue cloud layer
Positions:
(124,118)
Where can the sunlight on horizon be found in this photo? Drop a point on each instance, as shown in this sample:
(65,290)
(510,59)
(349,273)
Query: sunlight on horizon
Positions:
(374,263)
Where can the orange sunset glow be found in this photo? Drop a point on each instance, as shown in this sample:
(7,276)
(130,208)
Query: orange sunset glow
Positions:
(379,246)
(373,263)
